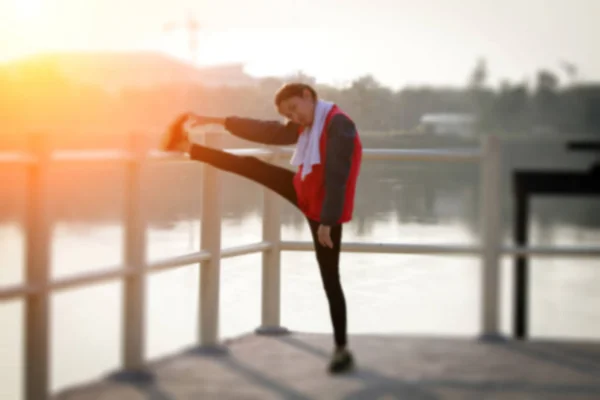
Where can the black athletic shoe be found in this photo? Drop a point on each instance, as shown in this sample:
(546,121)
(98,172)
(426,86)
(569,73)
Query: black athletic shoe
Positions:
(341,361)
(175,138)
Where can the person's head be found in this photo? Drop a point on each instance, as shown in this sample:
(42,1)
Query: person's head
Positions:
(296,102)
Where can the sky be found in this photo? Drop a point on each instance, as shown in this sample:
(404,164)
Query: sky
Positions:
(400,42)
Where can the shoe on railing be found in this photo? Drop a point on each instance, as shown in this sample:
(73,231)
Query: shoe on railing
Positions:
(175,138)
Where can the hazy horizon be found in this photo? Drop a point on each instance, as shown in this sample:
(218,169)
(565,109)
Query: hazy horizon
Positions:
(399,42)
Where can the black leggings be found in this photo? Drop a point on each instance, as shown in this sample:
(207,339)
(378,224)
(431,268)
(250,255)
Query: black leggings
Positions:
(280,180)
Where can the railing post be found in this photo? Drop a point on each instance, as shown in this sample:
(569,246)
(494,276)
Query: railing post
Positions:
(491,229)
(211,242)
(38,225)
(521,261)
(135,258)
(271,266)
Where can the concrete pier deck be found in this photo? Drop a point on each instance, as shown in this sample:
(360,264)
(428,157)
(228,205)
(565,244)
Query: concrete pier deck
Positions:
(388,367)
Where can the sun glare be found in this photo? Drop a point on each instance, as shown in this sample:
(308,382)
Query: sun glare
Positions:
(258,49)
(28,9)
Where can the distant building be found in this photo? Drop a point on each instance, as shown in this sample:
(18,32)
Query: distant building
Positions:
(453,124)
(116,70)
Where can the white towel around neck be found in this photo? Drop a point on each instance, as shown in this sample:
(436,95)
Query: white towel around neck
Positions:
(307,151)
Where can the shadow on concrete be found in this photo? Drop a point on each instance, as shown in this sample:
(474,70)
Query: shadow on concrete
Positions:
(380,385)
(377,385)
(385,386)
(557,354)
(151,391)
(144,382)
(588,352)
(259,378)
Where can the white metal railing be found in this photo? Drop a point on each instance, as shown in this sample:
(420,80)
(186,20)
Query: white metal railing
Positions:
(37,286)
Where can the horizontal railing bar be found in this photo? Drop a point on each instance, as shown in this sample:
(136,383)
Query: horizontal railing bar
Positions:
(155,155)
(19,291)
(382,154)
(368,154)
(91,155)
(388,248)
(91,278)
(113,155)
(403,248)
(86,156)
(422,155)
(87,279)
(179,261)
(255,152)
(544,251)
(246,249)
(16,292)
(16,158)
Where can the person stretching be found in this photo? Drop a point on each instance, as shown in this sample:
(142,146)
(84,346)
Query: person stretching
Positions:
(327,159)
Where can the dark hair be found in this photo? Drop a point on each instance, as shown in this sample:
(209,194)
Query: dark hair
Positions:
(290,90)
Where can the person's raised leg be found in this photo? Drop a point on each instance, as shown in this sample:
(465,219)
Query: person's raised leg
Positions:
(328,260)
(278,179)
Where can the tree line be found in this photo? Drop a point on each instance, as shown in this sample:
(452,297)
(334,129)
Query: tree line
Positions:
(40,99)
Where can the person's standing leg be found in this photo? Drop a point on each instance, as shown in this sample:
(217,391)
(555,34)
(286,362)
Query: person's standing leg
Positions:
(328,260)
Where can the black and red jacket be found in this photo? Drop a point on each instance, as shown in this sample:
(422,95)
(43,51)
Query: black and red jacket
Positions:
(326,195)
